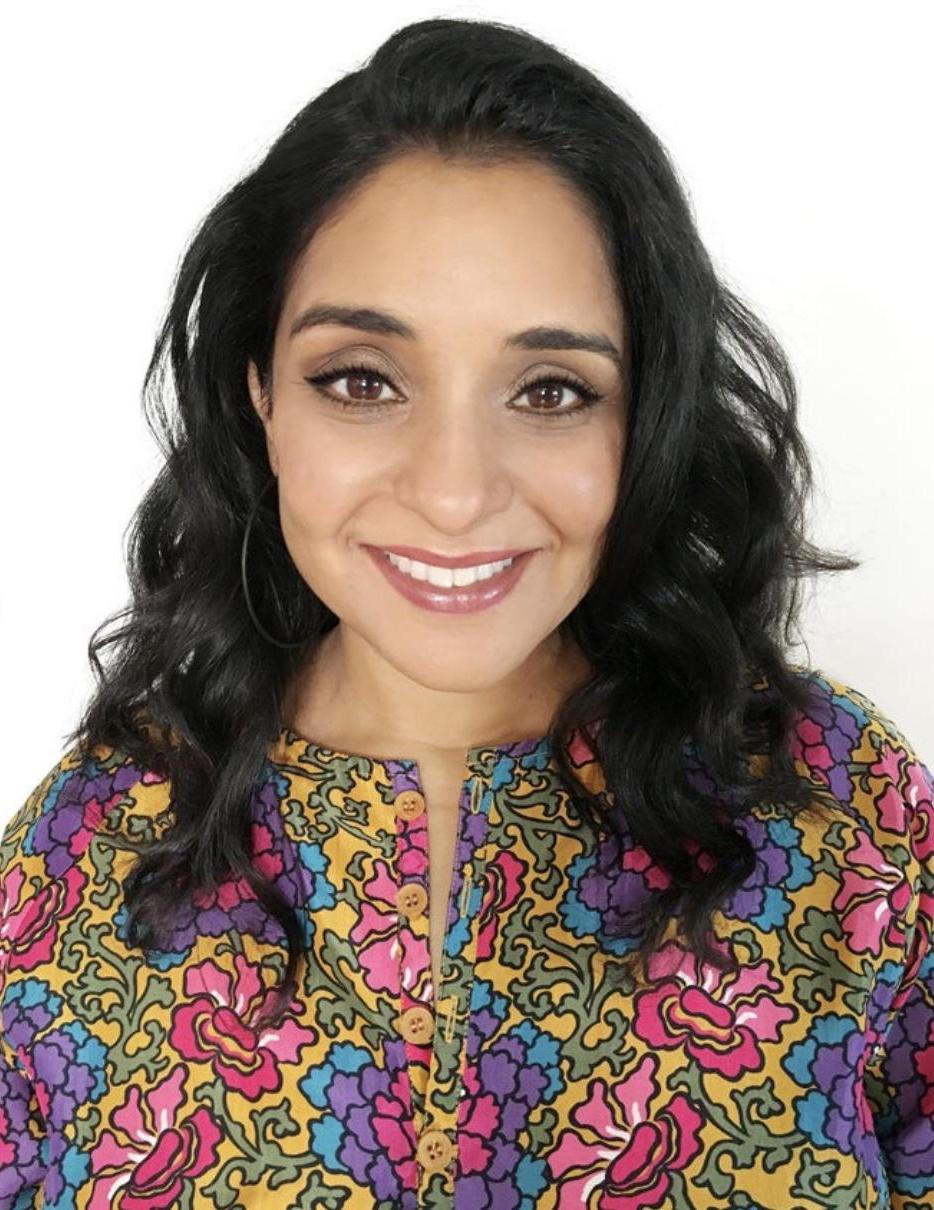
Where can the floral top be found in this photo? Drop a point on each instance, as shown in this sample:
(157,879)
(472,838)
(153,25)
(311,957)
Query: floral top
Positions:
(139,1081)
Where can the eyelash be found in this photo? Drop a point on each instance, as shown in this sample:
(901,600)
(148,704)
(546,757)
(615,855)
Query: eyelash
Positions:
(588,396)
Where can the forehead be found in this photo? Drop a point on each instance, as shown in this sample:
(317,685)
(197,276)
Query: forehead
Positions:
(451,241)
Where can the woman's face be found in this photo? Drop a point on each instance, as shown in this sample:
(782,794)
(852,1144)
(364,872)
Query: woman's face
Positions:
(437,441)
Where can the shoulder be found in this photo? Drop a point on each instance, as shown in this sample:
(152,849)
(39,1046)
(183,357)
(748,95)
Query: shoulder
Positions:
(66,971)
(80,797)
(847,743)
(67,850)
(76,829)
(854,752)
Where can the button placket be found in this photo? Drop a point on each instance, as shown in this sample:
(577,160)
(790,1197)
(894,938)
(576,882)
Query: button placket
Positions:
(409,804)
(416,1024)
(443,1096)
(435,1150)
(451,1019)
(412,899)
(415,1021)
(380,822)
(435,1064)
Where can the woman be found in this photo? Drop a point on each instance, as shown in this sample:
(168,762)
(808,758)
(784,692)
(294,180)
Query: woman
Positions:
(449,826)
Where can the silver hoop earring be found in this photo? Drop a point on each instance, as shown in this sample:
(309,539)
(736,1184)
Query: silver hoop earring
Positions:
(243,578)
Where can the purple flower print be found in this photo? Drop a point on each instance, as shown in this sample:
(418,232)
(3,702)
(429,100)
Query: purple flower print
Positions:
(782,867)
(368,1130)
(73,810)
(829,1063)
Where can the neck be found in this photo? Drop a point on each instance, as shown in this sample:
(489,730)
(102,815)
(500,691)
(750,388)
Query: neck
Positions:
(347,697)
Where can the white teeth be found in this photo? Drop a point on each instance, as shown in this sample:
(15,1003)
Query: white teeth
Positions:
(446,577)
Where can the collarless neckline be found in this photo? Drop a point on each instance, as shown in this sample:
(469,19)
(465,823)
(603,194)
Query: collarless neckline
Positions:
(291,748)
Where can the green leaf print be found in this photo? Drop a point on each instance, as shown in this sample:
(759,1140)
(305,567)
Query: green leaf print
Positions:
(749,1140)
(818,1180)
(261,1160)
(106,989)
(745,939)
(806,948)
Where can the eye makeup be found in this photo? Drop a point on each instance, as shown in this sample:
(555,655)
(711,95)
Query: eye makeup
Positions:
(553,379)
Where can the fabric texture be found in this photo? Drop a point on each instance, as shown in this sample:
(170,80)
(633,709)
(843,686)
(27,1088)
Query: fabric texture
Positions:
(806,1080)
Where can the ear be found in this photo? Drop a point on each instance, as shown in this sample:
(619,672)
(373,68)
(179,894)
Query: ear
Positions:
(262,403)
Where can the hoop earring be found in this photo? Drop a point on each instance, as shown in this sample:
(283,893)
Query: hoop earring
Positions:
(243,578)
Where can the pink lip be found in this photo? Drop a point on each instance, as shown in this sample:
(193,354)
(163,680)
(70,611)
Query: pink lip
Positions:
(452,600)
(472,560)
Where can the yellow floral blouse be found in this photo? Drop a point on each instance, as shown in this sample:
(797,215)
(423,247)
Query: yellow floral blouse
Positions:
(140,1080)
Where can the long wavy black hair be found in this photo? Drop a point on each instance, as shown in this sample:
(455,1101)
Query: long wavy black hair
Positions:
(694,605)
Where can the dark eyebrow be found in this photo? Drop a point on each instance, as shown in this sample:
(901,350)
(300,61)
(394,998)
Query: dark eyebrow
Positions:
(383,323)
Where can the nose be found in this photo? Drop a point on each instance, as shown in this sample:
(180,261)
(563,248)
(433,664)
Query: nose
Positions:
(455,469)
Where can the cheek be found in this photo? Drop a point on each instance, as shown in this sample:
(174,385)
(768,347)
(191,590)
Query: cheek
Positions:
(322,481)
(576,489)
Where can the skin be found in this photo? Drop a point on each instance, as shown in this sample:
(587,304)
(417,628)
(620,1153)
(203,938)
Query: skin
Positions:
(466,254)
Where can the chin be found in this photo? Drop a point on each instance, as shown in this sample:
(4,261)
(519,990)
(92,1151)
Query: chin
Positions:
(459,667)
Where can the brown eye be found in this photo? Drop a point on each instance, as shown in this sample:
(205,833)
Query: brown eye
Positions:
(546,394)
(363,385)
(369,386)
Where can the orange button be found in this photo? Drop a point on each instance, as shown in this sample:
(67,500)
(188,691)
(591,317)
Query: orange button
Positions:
(435,1150)
(410,804)
(411,899)
(416,1024)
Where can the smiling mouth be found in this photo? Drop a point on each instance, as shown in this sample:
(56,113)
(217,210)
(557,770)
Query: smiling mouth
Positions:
(451,589)
(447,577)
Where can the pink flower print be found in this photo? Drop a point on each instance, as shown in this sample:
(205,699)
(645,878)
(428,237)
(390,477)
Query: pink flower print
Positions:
(216,1027)
(810,745)
(705,863)
(390,953)
(267,857)
(232,892)
(824,740)
(621,1147)
(891,804)
(478,1125)
(919,794)
(636,859)
(29,919)
(907,810)
(872,899)
(718,1018)
(580,751)
(503,884)
(150,1157)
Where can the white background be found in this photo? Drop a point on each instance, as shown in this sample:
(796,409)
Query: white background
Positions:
(801,130)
